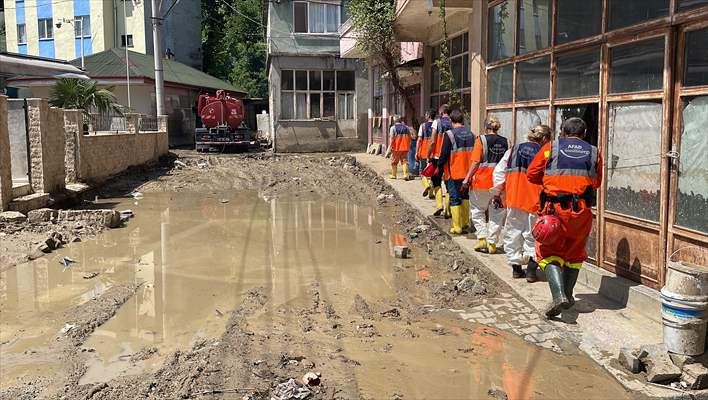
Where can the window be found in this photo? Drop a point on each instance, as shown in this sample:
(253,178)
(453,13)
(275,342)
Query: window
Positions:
(499,84)
(458,48)
(590,113)
(534,25)
(315,17)
(533,79)
(21,34)
(625,13)
(378,91)
(82,26)
(45,27)
(696,59)
(637,67)
(692,197)
(578,74)
(126,41)
(502,27)
(505,119)
(578,19)
(684,5)
(317,94)
(527,119)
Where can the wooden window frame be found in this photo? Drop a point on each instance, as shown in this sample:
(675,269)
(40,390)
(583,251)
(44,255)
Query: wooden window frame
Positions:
(308,92)
(465,90)
(307,3)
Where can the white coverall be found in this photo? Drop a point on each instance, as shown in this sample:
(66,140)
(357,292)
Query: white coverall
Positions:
(519,244)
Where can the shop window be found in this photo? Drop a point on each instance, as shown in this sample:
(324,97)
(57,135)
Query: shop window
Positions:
(534,25)
(533,79)
(636,67)
(696,72)
(587,112)
(692,198)
(502,28)
(578,74)
(527,119)
(684,5)
(578,19)
(625,13)
(634,172)
(505,120)
(499,84)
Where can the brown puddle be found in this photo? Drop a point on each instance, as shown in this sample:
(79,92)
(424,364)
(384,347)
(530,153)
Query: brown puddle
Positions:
(196,255)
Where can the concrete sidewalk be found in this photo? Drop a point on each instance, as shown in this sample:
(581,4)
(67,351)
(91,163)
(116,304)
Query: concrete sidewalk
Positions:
(610,312)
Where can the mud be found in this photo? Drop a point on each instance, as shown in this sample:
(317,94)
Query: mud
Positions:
(239,273)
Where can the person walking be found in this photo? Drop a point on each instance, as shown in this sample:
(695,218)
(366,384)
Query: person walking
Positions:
(521,198)
(456,158)
(488,150)
(399,136)
(425,133)
(413,164)
(440,126)
(569,170)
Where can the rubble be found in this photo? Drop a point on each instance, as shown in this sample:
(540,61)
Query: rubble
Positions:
(401,251)
(290,390)
(658,364)
(41,215)
(12,216)
(311,379)
(628,359)
(107,218)
(695,376)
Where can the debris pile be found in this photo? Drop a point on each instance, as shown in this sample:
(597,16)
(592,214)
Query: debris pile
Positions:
(659,366)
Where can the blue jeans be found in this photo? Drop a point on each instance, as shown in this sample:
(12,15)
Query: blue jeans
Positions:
(454,190)
(412,166)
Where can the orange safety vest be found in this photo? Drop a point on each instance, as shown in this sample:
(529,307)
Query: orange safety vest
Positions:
(493,149)
(401,140)
(460,159)
(422,150)
(444,125)
(518,191)
(571,167)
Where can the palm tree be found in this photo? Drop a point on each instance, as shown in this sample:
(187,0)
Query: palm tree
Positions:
(77,94)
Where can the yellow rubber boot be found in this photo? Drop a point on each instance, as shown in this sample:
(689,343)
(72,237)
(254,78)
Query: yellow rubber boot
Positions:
(491,248)
(426,186)
(406,173)
(456,212)
(465,214)
(394,171)
(438,201)
(448,214)
(481,245)
(431,192)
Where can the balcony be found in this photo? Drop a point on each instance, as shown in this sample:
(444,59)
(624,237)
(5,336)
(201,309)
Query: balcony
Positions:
(418,21)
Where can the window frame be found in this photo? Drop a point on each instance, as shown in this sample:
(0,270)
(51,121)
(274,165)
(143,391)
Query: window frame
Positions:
(307,17)
(464,90)
(84,34)
(308,92)
(24,33)
(48,28)
(126,40)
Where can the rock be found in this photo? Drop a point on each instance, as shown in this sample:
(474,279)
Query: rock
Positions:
(12,216)
(41,215)
(469,285)
(628,359)
(695,376)
(127,214)
(91,275)
(311,379)
(38,252)
(421,228)
(497,393)
(54,241)
(401,251)
(179,164)
(658,364)
(107,218)
(381,197)
(290,390)
(680,360)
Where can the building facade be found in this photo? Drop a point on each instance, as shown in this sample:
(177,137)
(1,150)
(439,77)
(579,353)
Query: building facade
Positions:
(59,28)
(636,72)
(318,100)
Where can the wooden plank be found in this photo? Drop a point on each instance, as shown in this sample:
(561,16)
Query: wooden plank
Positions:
(634,250)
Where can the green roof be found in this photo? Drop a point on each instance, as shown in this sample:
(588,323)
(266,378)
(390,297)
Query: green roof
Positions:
(111,64)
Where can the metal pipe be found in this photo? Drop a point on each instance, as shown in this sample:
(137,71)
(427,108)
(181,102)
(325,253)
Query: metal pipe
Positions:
(81,42)
(127,62)
(159,79)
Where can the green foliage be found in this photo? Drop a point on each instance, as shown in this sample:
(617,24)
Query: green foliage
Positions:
(77,94)
(372,21)
(447,81)
(233,44)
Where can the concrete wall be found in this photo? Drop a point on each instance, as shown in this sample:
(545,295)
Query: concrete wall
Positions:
(46,139)
(283,41)
(5,163)
(18,140)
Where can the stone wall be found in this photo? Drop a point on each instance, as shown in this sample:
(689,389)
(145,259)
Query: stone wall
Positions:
(73,129)
(5,164)
(46,139)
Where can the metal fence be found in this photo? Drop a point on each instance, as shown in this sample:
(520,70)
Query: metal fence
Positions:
(112,122)
(148,123)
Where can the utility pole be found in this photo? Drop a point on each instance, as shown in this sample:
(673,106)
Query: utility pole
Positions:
(127,59)
(157,49)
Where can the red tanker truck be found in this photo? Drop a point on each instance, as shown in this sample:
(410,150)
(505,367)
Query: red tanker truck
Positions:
(222,117)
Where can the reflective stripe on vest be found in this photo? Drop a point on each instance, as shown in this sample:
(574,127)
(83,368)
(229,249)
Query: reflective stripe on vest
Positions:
(572,157)
(444,125)
(521,156)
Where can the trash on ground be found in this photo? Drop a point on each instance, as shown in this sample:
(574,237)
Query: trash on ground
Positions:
(91,275)
(290,390)
(311,379)
(67,328)
(137,195)
(66,261)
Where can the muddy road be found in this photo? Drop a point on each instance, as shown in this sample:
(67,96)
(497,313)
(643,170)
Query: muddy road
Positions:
(242,276)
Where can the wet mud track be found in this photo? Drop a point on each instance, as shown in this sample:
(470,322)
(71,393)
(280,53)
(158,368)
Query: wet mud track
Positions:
(239,273)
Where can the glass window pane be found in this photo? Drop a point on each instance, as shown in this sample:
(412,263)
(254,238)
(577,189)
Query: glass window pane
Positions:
(692,197)
(434,102)
(504,117)
(300,17)
(287,106)
(527,119)
(466,71)
(533,79)
(625,13)
(502,27)
(456,68)
(317,18)
(42,30)
(578,74)
(345,80)
(286,79)
(86,25)
(457,46)
(684,5)
(332,18)
(578,19)
(301,80)
(350,106)
(638,66)
(696,72)
(315,80)
(536,20)
(328,105)
(633,176)
(301,106)
(435,84)
(315,107)
(465,42)
(587,112)
(328,80)
(499,84)
(342,106)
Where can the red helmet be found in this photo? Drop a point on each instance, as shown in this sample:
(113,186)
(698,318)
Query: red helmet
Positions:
(547,229)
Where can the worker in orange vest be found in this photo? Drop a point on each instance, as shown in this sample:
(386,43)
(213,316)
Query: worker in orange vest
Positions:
(440,126)
(425,134)
(570,169)
(488,151)
(521,198)
(456,158)
(399,136)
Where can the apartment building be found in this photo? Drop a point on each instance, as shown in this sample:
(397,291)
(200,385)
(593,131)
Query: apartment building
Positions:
(60,28)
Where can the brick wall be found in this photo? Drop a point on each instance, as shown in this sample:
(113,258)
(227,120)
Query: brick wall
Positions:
(5,165)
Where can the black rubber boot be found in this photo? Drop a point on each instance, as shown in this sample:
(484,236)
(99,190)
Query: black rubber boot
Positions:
(554,275)
(531,268)
(517,272)
(570,277)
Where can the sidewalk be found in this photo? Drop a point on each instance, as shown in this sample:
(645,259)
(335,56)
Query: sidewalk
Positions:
(599,324)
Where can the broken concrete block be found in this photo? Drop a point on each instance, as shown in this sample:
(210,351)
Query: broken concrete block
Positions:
(12,216)
(658,364)
(41,215)
(401,251)
(695,376)
(628,359)
(681,360)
